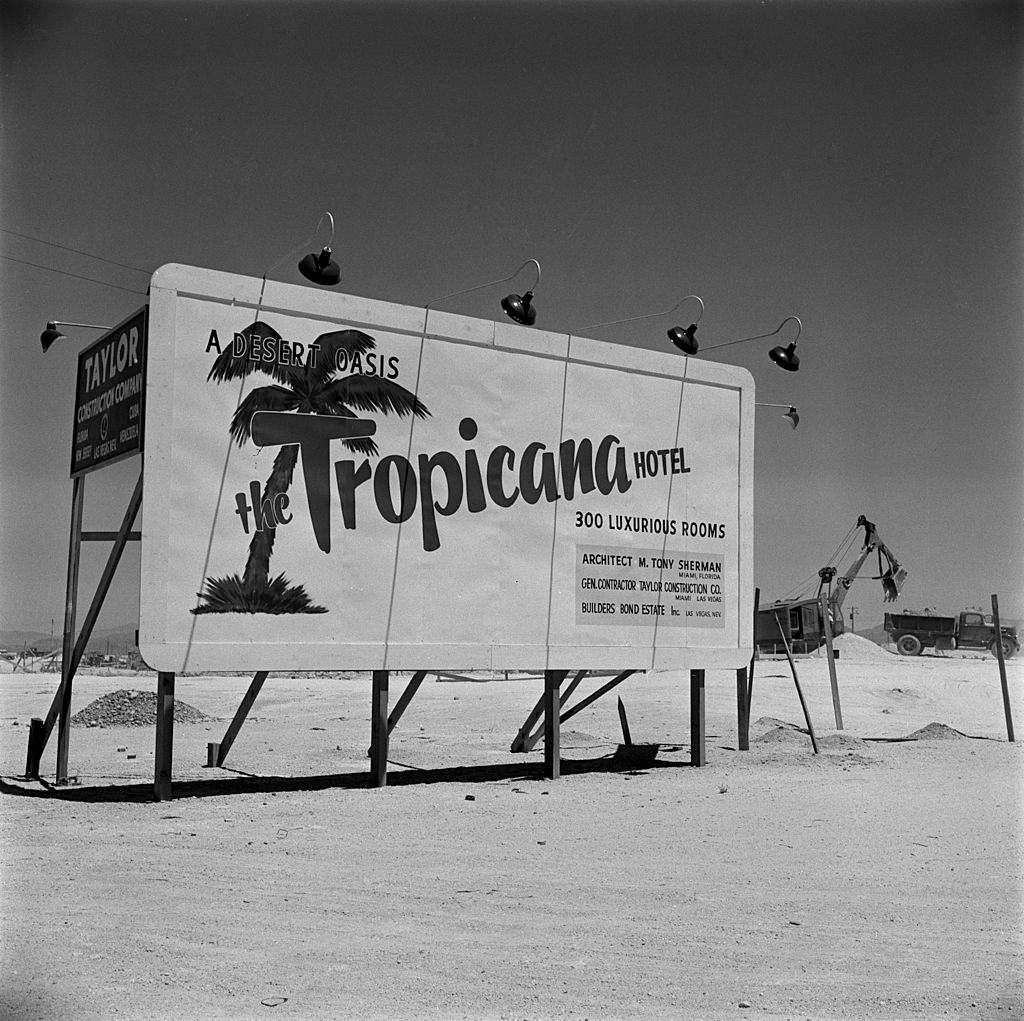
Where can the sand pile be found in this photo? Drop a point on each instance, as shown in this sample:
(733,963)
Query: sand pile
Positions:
(857,649)
(124,708)
(936,732)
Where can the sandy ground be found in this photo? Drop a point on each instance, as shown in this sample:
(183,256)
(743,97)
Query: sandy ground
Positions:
(879,879)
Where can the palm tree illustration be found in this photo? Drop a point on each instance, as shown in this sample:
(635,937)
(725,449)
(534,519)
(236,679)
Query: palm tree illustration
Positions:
(313,388)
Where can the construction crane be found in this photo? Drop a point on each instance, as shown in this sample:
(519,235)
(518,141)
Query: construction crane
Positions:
(801,618)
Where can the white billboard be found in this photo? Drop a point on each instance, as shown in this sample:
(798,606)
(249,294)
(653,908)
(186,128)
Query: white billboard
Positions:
(333,482)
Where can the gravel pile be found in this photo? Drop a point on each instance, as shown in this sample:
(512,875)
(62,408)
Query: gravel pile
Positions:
(858,649)
(126,708)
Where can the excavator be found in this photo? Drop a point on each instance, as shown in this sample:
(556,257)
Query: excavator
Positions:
(801,619)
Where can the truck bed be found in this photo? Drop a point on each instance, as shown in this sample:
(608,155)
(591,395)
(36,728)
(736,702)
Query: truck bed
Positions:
(922,622)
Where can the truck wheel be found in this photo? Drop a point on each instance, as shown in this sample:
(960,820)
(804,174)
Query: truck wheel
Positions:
(908,645)
(1009,648)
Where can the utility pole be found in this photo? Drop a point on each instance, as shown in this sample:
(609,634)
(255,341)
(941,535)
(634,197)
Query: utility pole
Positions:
(853,611)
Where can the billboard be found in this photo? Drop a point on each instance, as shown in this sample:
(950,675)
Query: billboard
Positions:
(334,482)
(109,396)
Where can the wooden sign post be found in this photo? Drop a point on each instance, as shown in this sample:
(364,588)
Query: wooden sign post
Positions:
(826,624)
(1002,668)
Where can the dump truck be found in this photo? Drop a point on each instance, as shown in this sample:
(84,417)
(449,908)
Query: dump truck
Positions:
(801,621)
(912,633)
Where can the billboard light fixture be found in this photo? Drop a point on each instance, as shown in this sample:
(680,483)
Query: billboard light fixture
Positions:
(683,339)
(784,357)
(518,307)
(51,334)
(791,415)
(320,269)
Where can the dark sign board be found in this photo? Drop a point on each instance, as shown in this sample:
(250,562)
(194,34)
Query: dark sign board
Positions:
(110,396)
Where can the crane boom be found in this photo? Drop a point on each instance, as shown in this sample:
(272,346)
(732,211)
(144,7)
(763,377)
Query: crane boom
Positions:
(892,576)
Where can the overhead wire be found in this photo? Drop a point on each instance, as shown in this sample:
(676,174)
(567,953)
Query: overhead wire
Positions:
(76,251)
(76,276)
(68,248)
(805,585)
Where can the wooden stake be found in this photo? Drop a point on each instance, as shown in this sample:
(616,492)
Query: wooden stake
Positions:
(624,723)
(826,624)
(753,655)
(796,681)
(379,729)
(1002,668)
(698,751)
(164,753)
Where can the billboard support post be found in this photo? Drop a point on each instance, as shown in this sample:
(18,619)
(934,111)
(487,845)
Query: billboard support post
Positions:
(70,608)
(216,754)
(698,750)
(379,729)
(403,701)
(164,736)
(552,735)
(525,741)
(73,650)
(742,711)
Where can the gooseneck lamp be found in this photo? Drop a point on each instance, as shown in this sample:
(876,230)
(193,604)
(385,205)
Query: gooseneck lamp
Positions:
(791,414)
(683,339)
(518,307)
(319,269)
(784,357)
(51,334)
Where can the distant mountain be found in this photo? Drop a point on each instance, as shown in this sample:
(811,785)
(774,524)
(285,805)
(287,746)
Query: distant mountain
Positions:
(119,640)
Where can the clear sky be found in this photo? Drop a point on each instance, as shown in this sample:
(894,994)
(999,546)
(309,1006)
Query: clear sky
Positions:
(858,165)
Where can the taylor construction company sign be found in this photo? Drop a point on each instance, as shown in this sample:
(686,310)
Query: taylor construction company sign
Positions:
(110,396)
(333,482)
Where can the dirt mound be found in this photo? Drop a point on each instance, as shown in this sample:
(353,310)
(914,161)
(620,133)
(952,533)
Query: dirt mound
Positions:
(857,649)
(936,732)
(840,742)
(787,734)
(125,708)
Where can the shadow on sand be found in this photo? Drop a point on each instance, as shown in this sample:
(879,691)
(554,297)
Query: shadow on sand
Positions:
(240,783)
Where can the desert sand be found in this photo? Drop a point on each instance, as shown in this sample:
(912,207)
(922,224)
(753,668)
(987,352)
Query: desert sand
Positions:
(880,878)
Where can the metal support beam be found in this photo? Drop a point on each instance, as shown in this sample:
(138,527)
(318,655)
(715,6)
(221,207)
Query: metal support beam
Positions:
(164,753)
(698,751)
(379,729)
(217,753)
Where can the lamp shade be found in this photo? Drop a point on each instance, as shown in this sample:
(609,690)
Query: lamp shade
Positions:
(50,336)
(519,308)
(320,269)
(785,357)
(684,339)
